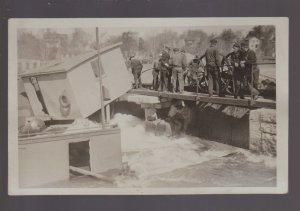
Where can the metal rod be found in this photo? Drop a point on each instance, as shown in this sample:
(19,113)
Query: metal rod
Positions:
(100,80)
(252,98)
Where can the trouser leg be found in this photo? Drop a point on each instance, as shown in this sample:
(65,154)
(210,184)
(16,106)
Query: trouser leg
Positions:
(213,80)
(237,82)
(235,86)
(216,81)
(180,80)
(174,79)
(242,85)
(135,76)
(163,81)
(155,81)
(170,85)
(251,88)
(210,81)
(139,80)
(255,78)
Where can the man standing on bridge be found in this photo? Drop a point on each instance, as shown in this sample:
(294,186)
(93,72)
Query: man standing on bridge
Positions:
(163,74)
(249,66)
(166,60)
(213,65)
(178,63)
(155,73)
(233,59)
(136,67)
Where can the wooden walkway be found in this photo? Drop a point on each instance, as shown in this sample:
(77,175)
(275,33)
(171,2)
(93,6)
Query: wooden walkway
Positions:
(227,100)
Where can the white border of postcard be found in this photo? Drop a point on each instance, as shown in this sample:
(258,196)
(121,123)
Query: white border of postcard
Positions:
(282,58)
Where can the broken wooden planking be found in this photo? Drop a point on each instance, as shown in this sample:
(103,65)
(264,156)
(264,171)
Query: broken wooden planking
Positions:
(89,173)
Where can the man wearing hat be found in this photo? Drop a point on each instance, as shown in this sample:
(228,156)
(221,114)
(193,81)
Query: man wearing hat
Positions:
(136,67)
(194,66)
(233,59)
(166,59)
(213,64)
(248,65)
(178,63)
(164,73)
(156,72)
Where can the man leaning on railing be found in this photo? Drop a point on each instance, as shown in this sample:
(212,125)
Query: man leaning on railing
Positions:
(248,64)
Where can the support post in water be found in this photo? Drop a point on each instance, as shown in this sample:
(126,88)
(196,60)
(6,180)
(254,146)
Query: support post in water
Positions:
(103,121)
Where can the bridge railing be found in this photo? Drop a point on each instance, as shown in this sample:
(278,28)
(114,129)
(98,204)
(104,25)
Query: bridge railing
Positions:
(227,66)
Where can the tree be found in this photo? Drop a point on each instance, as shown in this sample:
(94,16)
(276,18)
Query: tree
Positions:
(80,39)
(266,35)
(29,46)
(226,40)
(196,41)
(130,43)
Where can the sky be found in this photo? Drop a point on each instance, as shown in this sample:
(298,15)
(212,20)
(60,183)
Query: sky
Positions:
(105,33)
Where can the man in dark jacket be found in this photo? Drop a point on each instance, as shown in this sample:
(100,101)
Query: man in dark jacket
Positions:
(248,64)
(166,61)
(213,64)
(136,67)
(233,59)
(193,71)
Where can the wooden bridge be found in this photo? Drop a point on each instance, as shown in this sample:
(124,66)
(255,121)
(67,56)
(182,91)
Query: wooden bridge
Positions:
(227,100)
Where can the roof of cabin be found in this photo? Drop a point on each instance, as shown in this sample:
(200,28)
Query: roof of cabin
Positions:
(69,63)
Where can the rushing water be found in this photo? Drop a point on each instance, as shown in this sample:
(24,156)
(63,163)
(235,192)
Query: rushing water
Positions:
(160,161)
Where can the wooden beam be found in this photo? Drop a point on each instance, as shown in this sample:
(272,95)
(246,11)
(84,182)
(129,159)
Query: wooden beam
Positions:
(89,173)
(228,100)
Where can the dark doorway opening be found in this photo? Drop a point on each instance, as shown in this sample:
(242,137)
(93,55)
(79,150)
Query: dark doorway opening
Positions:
(79,155)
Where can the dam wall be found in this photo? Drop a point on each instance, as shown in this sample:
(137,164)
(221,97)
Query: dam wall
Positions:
(253,129)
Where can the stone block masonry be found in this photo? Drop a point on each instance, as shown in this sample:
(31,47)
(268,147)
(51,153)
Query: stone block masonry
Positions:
(262,126)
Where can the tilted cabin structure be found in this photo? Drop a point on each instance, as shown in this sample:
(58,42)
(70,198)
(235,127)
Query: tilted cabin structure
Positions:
(70,89)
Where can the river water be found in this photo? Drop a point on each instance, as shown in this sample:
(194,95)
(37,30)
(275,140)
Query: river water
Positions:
(160,161)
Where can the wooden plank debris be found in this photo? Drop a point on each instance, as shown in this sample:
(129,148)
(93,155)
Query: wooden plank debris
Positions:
(89,173)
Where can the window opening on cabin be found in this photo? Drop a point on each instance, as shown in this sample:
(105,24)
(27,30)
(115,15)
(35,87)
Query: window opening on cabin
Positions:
(94,65)
(34,82)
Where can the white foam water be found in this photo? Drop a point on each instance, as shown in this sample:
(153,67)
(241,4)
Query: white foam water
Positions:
(148,155)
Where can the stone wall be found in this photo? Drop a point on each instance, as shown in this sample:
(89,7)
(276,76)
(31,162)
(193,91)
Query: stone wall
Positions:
(262,126)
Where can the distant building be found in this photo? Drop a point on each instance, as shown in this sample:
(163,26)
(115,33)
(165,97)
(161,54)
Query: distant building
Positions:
(28,64)
(189,42)
(254,43)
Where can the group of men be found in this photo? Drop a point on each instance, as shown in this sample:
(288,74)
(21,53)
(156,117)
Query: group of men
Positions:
(169,70)
(245,74)
(242,62)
